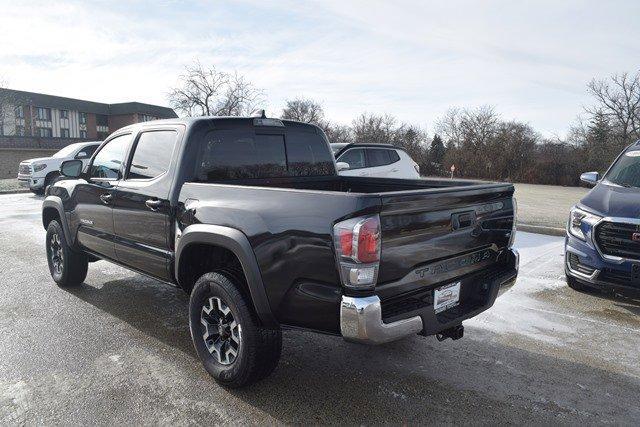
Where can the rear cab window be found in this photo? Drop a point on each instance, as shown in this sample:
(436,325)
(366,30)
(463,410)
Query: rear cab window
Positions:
(230,154)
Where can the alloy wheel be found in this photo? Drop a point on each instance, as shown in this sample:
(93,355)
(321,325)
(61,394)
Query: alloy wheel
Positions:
(222,333)
(56,254)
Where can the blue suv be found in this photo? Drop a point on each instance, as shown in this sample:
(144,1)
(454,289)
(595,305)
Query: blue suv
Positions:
(602,247)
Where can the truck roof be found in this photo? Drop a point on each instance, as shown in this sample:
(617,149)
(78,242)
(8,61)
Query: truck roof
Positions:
(242,121)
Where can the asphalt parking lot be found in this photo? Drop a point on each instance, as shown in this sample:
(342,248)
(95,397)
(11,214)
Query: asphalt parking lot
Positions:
(117,351)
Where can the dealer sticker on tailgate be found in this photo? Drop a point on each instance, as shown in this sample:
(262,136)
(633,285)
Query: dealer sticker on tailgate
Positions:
(446,297)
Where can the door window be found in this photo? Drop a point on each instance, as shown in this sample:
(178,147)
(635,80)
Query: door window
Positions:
(108,162)
(378,157)
(86,152)
(355,158)
(152,154)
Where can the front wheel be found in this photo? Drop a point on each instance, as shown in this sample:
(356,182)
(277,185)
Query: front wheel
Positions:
(67,267)
(232,345)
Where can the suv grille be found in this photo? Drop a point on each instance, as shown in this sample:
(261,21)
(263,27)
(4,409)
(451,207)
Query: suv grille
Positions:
(24,170)
(617,239)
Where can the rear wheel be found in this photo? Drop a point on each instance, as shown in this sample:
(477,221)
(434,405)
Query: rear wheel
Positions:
(67,267)
(232,345)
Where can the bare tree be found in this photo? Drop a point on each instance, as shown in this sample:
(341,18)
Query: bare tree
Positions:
(206,91)
(618,100)
(303,110)
(337,133)
(374,129)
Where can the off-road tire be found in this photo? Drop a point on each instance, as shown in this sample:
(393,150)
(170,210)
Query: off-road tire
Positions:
(259,349)
(73,265)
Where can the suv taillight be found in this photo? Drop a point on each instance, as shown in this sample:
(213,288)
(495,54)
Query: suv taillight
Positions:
(357,243)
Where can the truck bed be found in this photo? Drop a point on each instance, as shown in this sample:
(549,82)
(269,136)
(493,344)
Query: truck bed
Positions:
(289,223)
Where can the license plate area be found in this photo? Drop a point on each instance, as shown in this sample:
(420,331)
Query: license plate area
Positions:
(446,297)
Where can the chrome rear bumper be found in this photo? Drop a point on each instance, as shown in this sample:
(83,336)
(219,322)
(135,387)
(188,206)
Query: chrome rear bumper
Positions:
(361,321)
(361,317)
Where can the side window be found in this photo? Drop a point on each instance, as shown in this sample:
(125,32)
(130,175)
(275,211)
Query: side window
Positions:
(152,154)
(86,152)
(241,154)
(108,162)
(394,156)
(378,157)
(355,158)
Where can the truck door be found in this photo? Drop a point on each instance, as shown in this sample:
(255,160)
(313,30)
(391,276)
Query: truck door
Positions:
(94,209)
(142,209)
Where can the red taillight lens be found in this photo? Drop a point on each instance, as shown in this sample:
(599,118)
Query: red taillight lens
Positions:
(369,241)
(359,239)
(357,243)
(346,242)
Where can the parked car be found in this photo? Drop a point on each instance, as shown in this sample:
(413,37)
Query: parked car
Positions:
(381,160)
(38,173)
(602,246)
(249,217)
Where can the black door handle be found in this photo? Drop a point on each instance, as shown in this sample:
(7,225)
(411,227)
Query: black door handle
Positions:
(106,198)
(153,204)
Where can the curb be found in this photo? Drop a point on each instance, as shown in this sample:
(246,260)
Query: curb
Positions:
(541,229)
(19,191)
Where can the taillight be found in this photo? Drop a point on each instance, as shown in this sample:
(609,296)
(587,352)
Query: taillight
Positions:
(357,243)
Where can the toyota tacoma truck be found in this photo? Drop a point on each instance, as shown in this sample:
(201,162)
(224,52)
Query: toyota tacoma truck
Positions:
(250,218)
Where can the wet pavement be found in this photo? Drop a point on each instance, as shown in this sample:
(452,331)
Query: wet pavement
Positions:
(117,350)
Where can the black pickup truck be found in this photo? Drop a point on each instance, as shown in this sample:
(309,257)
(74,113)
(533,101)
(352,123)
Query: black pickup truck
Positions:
(249,217)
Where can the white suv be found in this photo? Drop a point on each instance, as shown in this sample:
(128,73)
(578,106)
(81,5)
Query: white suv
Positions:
(377,160)
(38,173)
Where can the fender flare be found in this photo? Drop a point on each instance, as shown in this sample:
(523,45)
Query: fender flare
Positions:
(55,202)
(235,241)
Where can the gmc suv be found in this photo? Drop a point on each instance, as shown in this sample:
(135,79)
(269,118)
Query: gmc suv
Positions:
(249,217)
(602,246)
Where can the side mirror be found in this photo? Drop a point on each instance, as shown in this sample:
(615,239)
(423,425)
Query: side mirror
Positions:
(342,166)
(590,178)
(71,168)
(81,155)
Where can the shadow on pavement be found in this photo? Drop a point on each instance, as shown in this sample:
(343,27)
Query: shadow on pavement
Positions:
(323,379)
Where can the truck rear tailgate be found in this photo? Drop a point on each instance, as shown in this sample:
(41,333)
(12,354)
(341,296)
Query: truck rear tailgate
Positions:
(434,235)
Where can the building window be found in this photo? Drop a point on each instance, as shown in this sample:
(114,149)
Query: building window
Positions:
(83,134)
(102,120)
(102,135)
(83,118)
(44,132)
(43,113)
(64,133)
(19,112)
(19,130)
(146,117)
(64,114)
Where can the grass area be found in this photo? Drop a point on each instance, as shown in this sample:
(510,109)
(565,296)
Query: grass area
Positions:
(546,205)
(10,184)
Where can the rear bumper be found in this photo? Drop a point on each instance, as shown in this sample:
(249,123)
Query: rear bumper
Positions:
(361,318)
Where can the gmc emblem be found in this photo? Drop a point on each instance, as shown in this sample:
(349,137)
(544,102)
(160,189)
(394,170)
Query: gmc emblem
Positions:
(635,237)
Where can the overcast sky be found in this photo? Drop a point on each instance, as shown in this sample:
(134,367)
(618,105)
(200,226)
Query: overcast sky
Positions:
(413,59)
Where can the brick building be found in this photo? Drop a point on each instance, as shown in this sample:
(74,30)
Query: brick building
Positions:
(37,125)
